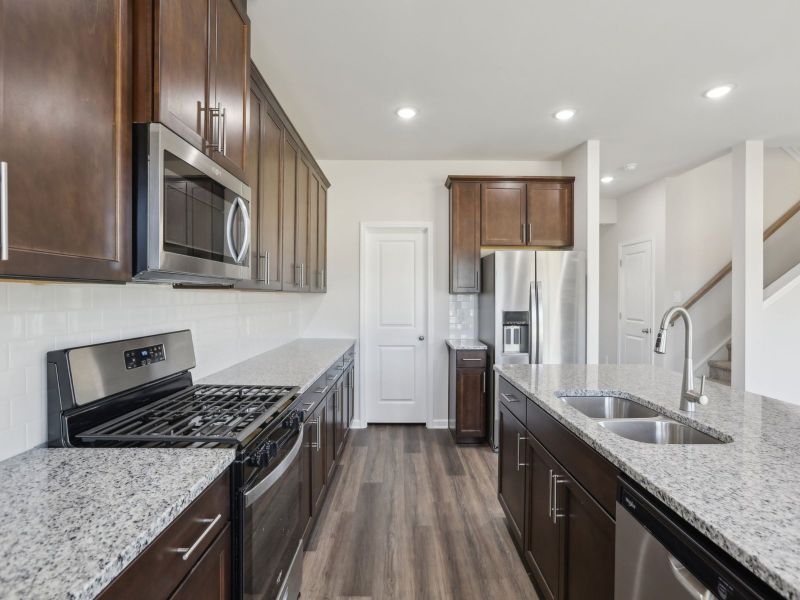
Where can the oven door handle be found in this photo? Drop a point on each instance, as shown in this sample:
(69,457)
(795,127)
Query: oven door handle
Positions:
(246,242)
(265,484)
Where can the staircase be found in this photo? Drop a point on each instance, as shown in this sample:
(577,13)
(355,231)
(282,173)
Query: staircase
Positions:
(720,370)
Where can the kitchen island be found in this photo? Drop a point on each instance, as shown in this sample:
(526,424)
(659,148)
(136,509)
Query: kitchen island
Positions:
(741,494)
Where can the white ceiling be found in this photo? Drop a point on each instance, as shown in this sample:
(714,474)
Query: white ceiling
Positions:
(486,76)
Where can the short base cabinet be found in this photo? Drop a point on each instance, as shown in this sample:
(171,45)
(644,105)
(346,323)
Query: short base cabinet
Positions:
(467,404)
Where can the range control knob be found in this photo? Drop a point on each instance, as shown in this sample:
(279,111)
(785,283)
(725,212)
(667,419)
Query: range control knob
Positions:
(264,454)
(292,421)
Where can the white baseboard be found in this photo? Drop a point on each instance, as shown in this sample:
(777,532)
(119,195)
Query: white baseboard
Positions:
(438,424)
(356,424)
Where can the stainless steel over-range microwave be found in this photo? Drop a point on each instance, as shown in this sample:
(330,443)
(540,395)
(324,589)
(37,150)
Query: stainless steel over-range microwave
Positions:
(191,216)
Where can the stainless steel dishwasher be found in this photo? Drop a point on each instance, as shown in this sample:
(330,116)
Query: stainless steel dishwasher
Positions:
(658,556)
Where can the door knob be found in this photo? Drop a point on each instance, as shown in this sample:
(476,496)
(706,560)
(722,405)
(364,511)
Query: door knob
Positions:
(646,331)
(421,338)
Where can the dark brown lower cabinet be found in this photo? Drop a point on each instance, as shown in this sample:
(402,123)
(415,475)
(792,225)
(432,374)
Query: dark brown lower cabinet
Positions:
(467,398)
(565,535)
(210,579)
(512,471)
(325,429)
(543,531)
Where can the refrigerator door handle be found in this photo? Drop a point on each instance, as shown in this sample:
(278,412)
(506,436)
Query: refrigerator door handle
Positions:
(539,322)
(533,330)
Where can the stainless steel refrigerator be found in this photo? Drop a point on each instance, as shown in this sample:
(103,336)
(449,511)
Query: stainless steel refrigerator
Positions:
(531,309)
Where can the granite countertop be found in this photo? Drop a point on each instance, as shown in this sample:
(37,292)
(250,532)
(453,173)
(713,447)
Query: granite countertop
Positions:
(466,345)
(298,363)
(71,519)
(743,495)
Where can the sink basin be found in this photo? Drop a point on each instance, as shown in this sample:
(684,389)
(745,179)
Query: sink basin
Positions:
(659,432)
(609,407)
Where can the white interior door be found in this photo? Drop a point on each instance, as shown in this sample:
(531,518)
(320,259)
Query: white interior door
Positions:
(635,300)
(396,311)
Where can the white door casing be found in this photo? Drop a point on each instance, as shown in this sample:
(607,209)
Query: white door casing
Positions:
(395,315)
(635,301)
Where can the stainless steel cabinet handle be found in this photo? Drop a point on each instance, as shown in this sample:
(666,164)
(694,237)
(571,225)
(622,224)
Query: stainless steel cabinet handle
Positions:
(214,113)
(315,444)
(3,210)
(530,233)
(322,277)
(509,399)
(267,259)
(297,280)
(520,438)
(556,480)
(187,552)
(646,331)
(483,381)
(550,494)
(223,139)
(319,434)
(523,232)
(472,359)
(321,390)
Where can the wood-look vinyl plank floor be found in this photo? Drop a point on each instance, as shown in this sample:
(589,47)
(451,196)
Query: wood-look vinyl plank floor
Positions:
(411,515)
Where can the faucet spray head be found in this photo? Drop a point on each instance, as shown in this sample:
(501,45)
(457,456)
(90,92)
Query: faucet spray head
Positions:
(661,341)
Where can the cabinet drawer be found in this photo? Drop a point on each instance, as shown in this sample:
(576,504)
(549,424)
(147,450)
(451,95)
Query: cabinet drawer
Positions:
(592,471)
(512,398)
(471,358)
(158,571)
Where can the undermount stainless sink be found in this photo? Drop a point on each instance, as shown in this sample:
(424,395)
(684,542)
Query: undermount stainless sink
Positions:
(609,407)
(660,431)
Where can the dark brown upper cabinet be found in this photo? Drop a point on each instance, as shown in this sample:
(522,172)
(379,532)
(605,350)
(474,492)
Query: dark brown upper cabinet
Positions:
(289,200)
(503,213)
(550,220)
(65,139)
(191,73)
(490,211)
(465,237)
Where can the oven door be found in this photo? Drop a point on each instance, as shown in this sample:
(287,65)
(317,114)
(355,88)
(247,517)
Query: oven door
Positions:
(272,533)
(195,216)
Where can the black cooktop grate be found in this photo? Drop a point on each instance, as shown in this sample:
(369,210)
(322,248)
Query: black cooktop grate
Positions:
(202,413)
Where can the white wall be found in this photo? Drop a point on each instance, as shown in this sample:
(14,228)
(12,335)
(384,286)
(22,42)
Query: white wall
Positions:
(640,215)
(584,163)
(781,190)
(364,191)
(227,326)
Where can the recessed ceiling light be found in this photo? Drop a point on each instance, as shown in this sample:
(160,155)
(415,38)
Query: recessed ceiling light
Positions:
(719,91)
(407,112)
(607,178)
(565,114)
(631,166)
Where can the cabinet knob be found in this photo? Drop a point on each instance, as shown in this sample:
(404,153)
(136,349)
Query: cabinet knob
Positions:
(421,338)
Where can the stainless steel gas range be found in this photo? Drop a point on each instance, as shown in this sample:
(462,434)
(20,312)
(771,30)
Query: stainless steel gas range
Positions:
(139,392)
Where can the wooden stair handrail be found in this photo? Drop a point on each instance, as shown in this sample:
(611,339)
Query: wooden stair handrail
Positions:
(720,275)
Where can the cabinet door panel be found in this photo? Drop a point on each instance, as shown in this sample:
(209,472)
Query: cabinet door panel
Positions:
(253,175)
(289,273)
(182,35)
(65,132)
(301,223)
(231,83)
(318,462)
(465,237)
(503,214)
(470,404)
(550,214)
(322,233)
(312,254)
(269,239)
(542,534)
(588,545)
(511,476)
(210,579)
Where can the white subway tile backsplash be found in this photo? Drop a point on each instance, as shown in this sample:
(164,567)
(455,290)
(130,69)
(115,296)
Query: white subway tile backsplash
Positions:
(463,311)
(227,326)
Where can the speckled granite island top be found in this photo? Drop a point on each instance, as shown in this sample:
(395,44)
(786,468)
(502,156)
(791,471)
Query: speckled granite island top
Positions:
(466,345)
(298,363)
(744,495)
(72,519)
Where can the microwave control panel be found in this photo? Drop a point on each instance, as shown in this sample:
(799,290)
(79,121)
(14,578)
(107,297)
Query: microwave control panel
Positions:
(141,357)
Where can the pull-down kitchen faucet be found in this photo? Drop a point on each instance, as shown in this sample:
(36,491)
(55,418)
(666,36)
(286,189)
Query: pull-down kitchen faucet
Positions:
(689,398)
